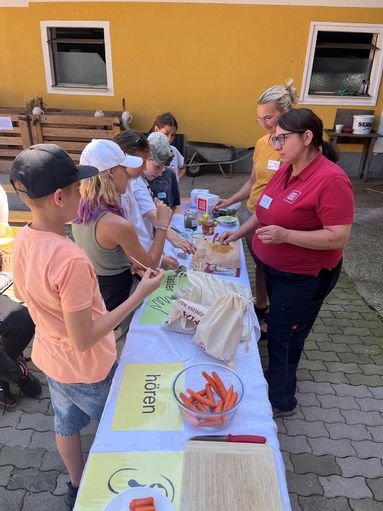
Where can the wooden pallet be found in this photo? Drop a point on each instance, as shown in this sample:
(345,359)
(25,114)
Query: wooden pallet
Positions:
(12,142)
(72,132)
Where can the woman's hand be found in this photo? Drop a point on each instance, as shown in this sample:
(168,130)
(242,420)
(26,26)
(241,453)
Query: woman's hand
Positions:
(222,203)
(184,245)
(169,263)
(272,234)
(164,214)
(228,237)
(150,281)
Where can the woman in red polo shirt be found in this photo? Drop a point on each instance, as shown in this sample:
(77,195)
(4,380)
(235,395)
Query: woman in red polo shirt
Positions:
(302,223)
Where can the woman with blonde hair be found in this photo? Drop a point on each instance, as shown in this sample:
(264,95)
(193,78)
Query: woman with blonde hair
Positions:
(266,161)
(101,229)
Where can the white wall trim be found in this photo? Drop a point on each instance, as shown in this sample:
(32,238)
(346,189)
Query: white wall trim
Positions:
(363,4)
(51,89)
(376,73)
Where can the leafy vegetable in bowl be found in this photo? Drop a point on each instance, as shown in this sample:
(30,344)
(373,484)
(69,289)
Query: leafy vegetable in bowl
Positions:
(227,220)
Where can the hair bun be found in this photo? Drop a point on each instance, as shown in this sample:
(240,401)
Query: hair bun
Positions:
(292,91)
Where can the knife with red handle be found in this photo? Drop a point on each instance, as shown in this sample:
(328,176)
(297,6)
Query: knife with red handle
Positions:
(246,439)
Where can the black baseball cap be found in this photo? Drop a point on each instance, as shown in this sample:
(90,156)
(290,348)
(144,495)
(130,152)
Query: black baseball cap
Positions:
(44,168)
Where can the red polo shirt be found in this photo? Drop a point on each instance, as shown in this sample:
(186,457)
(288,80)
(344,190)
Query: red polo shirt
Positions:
(321,195)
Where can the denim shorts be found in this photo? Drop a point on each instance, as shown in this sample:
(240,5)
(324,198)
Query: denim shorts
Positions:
(75,404)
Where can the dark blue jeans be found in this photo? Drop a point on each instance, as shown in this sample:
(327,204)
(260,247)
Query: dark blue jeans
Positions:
(295,301)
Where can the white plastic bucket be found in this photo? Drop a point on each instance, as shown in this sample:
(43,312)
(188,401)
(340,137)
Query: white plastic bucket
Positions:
(362,124)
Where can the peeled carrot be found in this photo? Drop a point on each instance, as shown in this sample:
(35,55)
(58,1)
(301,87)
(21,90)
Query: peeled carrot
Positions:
(150,507)
(202,392)
(143,502)
(219,383)
(186,401)
(229,395)
(197,397)
(219,406)
(202,408)
(209,393)
(210,380)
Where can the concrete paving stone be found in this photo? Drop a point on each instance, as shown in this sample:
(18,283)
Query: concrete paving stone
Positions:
(5,473)
(360,358)
(335,307)
(294,444)
(373,380)
(317,503)
(345,339)
(287,462)
(303,484)
(376,486)
(316,365)
(371,340)
(43,501)
(327,329)
(12,500)
(367,323)
(28,405)
(342,389)
(44,393)
(334,300)
(90,429)
(315,387)
(50,410)
(294,503)
(32,480)
(370,404)
(317,338)
(351,467)
(377,332)
(307,399)
(377,392)
(61,485)
(344,402)
(365,505)
(44,440)
(352,432)
(359,417)
(52,461)
(355,307)
(376,433)
(10,418)
(338,322)
(330,356)
(316,413)
(366,448)
(339,367)
(304,374)
(322,465)
(9,438)
(330,377)
(371,368)
(349,315)
(330,346)
(310,345)
(21,457)
(379,359)
(327,314)
(312,429)
(373,350)
(36,421)
(340,448)
(371,315)
(281,427)
(338,486)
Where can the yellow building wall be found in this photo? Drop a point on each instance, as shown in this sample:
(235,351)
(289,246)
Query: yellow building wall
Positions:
(206,63)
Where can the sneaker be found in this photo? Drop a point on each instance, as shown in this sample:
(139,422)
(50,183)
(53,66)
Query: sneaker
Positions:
(6,399)
(28,384)
(71,495)
(283,413)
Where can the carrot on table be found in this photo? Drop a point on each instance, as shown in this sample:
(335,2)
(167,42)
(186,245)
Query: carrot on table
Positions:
(209,393)
(219,383)
(144,504)
(187,402)
(210,380)
(197,397)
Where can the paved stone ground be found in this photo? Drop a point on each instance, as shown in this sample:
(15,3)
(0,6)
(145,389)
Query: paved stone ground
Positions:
(332,448)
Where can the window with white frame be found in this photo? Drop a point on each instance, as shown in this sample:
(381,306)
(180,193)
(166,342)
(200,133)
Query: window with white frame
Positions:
(343,64)
(77,57)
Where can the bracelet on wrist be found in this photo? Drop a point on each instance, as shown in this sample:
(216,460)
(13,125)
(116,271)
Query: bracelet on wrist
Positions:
(161,228)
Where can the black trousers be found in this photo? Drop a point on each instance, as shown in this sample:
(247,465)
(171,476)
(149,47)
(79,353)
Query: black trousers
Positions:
(115,289)
(16,331)
(295,301)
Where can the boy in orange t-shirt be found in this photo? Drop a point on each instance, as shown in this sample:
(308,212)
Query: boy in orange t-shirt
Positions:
(74,344)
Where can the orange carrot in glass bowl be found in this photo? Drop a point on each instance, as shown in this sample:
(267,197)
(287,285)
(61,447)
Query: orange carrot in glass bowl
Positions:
(201,399)
(209,393)
(219,406)
(228,397)
(186,401)
(210,381)
(219,383)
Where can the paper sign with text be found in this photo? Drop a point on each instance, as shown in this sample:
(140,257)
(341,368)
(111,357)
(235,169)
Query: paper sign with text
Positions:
(107,474)
(145,400)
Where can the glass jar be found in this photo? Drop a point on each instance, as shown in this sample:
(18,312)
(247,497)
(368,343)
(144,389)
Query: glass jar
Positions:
(190,219)
(208,227)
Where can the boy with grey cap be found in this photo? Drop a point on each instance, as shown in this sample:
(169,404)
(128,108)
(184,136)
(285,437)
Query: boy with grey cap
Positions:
(74,344)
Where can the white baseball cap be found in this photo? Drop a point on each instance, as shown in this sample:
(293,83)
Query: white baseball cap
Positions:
(105,154)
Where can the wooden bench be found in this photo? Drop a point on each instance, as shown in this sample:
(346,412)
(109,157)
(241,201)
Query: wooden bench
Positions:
(12,142)
(72,132)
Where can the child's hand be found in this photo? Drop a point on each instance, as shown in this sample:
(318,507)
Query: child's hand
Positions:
(5,261)
(184,245)
(150,281)
(164,214)
(169,263)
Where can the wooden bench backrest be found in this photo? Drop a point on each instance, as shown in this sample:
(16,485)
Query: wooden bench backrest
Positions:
(12,142)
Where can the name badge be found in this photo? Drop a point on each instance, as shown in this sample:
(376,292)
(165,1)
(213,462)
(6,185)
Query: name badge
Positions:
(161,195)
(265,201)
(273,164)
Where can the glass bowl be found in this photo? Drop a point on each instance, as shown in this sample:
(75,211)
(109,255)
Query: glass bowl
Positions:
(191,378)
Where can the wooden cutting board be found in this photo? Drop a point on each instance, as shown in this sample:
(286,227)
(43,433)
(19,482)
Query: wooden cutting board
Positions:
(210,255)
(229,476)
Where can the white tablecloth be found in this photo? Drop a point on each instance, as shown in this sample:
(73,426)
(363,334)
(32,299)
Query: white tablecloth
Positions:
(155,344)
